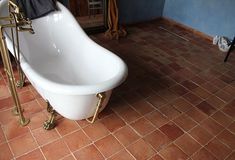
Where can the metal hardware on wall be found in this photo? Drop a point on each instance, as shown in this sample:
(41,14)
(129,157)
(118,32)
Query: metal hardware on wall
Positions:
(17,21)
(101,98)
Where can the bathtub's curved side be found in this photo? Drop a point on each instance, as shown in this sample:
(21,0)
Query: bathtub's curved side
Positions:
(46,55)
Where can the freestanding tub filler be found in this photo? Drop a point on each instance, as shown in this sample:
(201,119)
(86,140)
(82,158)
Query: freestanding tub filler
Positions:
(69,70)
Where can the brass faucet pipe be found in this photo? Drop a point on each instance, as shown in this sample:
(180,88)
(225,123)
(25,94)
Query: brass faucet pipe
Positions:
(6,18)
(20,82)
(101,97)
(16,20)
(10,76)
(14,6)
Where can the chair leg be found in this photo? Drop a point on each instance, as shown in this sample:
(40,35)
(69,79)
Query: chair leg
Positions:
(230,50)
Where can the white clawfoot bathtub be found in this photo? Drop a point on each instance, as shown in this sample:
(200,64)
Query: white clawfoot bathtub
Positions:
(65,66)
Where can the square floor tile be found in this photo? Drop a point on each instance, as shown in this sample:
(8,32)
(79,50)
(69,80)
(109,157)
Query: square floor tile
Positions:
(192,98)
(129,115)
(227,138)
(89,152)
(201,135)
(37,120)
(157,140)
(156,101)
(201,92)
(113,122)
(229,109)
(218,149)
(126,135)
(35,154)
(179,89)
(189,85)
(43,136)
(215,101)
(197,115)
(181,105)
(185,122)
(143,107)
(206,108)
(141,150)
(122,155)
(6,117)
(222,118)
(203,154)
(157,118)
(169,111)
(231,156)
(142,126)
(156,157)
(5,153)
(76,140)
(69,157)
(55,150)
(65,126)
(23,144)
(108,146)
(187,144)
(172,152)
(212,126)
(96,131)
(13,129)
(171,130)
(231,127)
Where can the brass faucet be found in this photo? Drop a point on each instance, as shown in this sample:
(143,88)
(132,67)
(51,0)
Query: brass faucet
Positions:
(22,23)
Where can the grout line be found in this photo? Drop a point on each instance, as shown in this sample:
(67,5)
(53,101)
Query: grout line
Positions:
(181,37)
(39,147)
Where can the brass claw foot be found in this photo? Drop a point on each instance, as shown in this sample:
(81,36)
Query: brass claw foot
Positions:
(50,123)
(47,125)
(19,84)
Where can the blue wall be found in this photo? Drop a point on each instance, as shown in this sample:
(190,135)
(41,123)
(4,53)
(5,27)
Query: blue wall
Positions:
(132,11)
(213,17)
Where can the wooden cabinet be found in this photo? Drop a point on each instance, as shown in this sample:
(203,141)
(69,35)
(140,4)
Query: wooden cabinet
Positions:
(78,7)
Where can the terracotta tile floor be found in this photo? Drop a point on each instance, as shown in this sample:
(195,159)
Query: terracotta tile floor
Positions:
(178,102)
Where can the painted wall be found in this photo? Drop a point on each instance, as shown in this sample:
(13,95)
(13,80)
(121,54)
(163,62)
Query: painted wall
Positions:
(213,17)
(132,11)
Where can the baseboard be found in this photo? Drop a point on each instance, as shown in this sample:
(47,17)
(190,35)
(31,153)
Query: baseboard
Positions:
(173,23)
(187,28)
(131,24)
